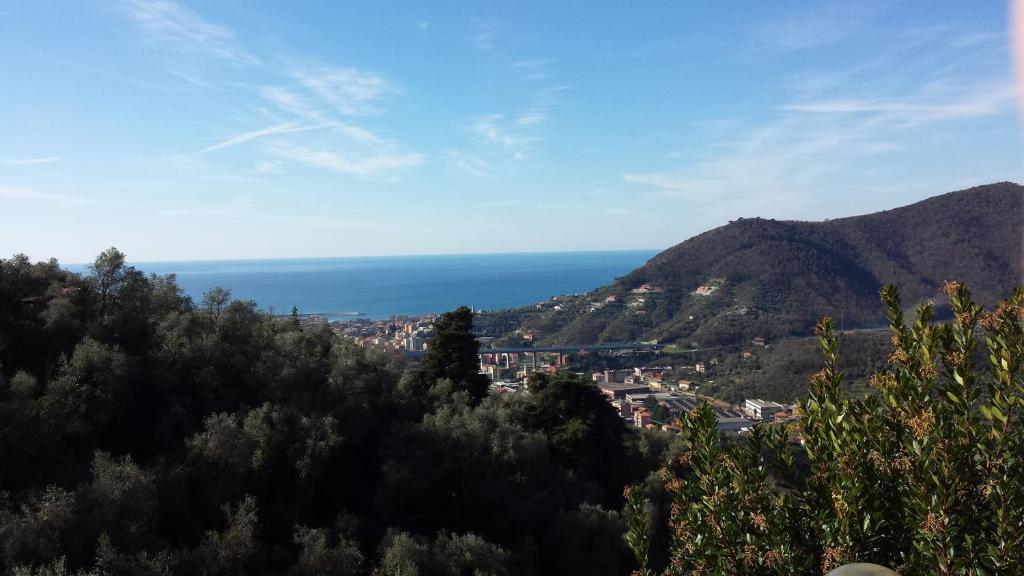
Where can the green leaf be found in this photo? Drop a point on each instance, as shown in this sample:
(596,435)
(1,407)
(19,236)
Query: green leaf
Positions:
(998,414)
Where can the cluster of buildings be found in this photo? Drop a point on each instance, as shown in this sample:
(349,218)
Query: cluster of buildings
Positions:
(507,367)
(406,333)
(644,398)
(645,407)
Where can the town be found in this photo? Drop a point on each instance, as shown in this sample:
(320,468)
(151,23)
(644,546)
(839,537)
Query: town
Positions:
(644,395)
(403,333)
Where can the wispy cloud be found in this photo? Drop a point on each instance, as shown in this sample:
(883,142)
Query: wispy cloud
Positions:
(291,102)
(830,149)
(31,194)
(365,166)
(505,138)
(190,78)
(323,99)
(30,161)
(180,28)
(530,118)
(776,167)
(499,143)
(268,167)
(297,105)
(349,91)
(493,129)
(283,128)
(502,141)
(973,39)
(308,97)
(817,25)
(471,163)
(989,100)
(676,185)
(534,69)
(509,136)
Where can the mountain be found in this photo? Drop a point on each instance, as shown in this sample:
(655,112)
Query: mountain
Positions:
(758,277)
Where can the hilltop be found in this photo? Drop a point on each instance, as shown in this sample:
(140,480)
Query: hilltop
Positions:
(773,278)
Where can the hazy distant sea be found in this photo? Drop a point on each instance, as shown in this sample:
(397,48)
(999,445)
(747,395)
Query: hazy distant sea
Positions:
(383,286)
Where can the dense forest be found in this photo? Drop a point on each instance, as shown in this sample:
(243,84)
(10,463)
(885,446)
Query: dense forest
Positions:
(144,433)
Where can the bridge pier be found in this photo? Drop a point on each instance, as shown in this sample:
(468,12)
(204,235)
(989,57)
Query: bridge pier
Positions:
(500,354)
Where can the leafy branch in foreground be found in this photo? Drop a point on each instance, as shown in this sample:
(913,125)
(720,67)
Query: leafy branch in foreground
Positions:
(926,476)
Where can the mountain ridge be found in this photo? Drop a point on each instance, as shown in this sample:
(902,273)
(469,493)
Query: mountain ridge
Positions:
(774,278)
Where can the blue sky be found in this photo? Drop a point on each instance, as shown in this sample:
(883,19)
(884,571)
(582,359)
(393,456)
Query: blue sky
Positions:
(188,130)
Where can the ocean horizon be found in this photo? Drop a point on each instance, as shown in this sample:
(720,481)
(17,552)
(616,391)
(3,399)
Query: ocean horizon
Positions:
(378,287)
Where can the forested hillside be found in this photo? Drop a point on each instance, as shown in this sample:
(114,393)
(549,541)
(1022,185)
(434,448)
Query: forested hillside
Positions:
(144,433)
(757,277)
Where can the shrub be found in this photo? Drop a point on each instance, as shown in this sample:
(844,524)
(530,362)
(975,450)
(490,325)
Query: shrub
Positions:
(924,475)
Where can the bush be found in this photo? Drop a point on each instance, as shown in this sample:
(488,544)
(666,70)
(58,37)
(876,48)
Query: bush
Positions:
(926,476)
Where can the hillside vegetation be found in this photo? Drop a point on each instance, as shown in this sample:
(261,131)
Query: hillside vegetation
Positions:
(757,277)
(781,371)
(143,433)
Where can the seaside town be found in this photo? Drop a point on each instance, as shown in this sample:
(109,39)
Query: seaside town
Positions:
(644,396)
(403,333)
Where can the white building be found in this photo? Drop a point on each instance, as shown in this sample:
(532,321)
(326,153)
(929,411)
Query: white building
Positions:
(762,409)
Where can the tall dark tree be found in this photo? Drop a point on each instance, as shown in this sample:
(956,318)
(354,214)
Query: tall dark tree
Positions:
(585,432)
(452,355)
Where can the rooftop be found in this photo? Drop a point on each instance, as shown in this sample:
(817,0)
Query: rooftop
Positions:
(619,386)
(763,403)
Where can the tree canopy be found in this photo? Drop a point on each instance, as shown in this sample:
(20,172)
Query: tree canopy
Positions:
(144,433)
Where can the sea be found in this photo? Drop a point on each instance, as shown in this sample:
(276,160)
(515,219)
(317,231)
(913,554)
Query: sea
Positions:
(381,287)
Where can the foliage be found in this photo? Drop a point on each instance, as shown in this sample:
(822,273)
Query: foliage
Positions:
(582,429)
(318,556)
(925,476)
(448,555)
(780,372)
(452,355)
(143,433)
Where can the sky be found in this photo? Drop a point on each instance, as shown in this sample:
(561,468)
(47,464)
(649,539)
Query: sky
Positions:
(182,130)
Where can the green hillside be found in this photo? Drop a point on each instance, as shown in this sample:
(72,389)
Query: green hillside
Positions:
(757,277)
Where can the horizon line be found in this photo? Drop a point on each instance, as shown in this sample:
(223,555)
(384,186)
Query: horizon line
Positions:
(131,262)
